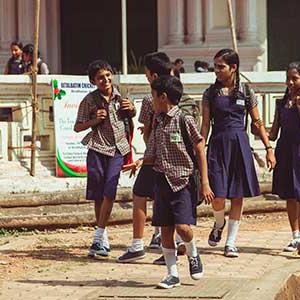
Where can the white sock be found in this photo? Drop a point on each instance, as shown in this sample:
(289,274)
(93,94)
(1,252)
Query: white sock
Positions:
(220,217)
(137,245)
(98,234)
(233,228)
(191,249)
(170,258)
(101,235)
(178,239)
(156,230)
(295,234)
(105,239)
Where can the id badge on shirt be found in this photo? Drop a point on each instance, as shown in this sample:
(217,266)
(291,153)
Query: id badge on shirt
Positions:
(240,102)
(175,137)
(117,105)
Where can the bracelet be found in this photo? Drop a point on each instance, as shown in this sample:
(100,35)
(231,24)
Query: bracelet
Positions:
(268,147)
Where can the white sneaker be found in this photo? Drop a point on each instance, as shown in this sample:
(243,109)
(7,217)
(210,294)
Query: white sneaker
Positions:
(292,246)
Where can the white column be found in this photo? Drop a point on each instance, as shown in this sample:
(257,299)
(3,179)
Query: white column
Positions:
(176,22)
(8,28)
(247,21)
(25,21)
(53,58)
(194,22)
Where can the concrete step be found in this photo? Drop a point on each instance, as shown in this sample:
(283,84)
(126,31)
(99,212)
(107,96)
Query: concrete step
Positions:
(66,213)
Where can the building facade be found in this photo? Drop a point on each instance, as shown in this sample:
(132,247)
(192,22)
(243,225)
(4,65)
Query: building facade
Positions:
(73,33)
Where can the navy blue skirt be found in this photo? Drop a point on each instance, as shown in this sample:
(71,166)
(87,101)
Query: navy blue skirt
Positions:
(286,176)
(231,167)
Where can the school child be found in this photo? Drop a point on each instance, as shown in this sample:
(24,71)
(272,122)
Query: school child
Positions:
(156,64)
(28,60)
(174,206)
(231,169)
(103,111)
(286,176)
(15,63)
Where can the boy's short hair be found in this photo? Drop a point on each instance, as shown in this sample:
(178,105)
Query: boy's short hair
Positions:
(170,85)
(97,65)
(158,62)
(29,49)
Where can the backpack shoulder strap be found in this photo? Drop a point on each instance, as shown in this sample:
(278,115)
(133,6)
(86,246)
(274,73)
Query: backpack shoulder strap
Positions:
(187,142)
(96,101)
(247,94)
(247,91)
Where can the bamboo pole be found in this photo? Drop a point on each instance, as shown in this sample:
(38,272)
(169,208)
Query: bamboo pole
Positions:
(232,26)
(34,87)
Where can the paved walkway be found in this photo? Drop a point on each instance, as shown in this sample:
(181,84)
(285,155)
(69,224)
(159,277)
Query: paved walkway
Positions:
(57,267)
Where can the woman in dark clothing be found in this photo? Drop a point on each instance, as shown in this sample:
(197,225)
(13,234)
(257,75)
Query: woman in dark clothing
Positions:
(286,177)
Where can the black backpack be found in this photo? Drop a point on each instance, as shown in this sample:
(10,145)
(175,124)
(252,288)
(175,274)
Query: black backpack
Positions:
(196,176)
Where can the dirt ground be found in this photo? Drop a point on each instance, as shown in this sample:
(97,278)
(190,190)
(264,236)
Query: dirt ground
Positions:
(24,252)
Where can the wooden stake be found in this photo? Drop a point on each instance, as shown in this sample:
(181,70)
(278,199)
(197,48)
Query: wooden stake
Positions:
(34,87)
(232,26)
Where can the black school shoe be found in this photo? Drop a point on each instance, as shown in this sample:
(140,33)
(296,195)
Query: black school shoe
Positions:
(215,235)
(196,267)
(98,249)
(169,282)
(155,242)
(129,256)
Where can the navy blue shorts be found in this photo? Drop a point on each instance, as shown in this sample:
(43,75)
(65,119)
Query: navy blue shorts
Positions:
(170,207)
(103,174)
(144,183)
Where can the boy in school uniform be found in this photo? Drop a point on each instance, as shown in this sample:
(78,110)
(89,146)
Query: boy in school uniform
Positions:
(156,64)
(174,204)
(103,111)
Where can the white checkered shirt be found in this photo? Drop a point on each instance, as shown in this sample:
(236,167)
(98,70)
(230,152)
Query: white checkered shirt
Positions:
(147,112)
(109,135)
(168,150)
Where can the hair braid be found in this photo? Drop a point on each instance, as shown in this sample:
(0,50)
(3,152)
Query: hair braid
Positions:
(236,90)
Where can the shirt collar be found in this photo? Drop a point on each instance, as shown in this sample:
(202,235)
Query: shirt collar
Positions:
(115,93)
(173,111)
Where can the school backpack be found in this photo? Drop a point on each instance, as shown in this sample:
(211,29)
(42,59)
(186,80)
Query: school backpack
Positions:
(189,107)
(253,129)
(129,128)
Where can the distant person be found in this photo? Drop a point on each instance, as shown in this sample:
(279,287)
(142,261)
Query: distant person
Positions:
(178,63)
(15,63)
(28,61)
(201,66)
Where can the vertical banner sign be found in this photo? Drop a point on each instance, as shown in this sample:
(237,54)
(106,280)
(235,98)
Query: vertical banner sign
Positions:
(67,93)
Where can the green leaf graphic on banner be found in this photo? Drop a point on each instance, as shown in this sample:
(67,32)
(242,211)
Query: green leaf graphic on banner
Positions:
(66,169)
(57,93)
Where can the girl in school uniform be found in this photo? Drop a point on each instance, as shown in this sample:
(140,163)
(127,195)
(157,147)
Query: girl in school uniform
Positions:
(286,176)
(15,63)
(231,168)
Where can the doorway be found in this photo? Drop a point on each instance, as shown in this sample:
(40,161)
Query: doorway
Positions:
(283,36)
(92,30)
